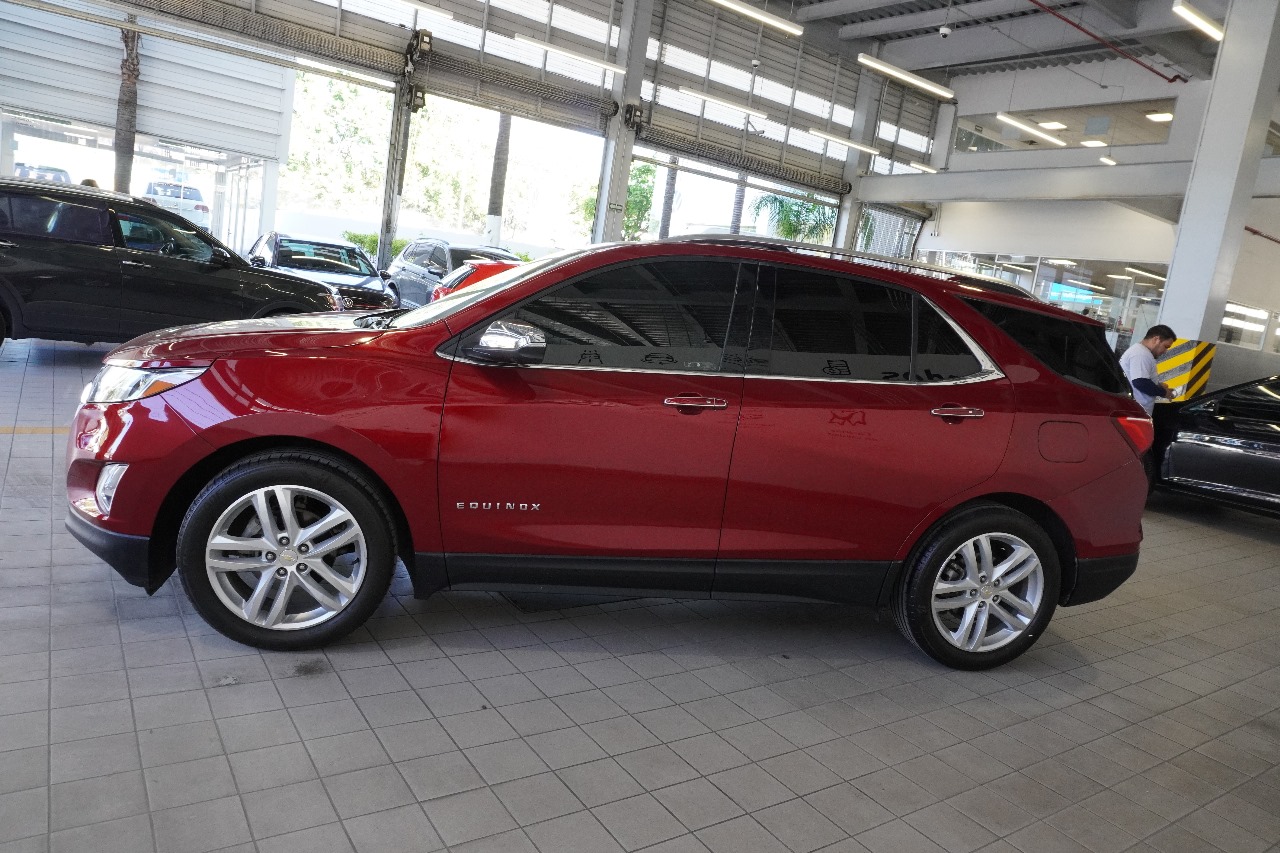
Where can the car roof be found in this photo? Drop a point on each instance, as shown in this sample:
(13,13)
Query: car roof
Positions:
(320,241)
(68,189)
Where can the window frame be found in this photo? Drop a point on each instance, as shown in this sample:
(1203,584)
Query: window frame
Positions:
(987,368)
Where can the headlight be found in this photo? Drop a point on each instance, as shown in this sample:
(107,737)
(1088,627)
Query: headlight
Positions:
(119,384)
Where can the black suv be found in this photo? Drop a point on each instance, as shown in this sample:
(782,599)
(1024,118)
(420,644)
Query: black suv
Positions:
(83,264)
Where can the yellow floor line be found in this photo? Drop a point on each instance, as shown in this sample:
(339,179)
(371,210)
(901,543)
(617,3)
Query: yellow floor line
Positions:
(25,430)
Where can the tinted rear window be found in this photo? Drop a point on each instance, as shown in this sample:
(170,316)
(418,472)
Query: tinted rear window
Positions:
(1076,351)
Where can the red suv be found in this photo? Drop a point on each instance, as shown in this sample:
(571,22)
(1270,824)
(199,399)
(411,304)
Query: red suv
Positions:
(698,418)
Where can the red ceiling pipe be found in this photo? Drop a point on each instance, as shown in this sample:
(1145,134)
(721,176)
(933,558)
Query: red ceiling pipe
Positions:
(1177,78)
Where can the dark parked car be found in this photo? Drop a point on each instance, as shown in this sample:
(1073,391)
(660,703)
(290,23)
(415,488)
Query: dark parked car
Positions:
(425,261)
(83,264)
(334,262)
(1223,446)
(703,419)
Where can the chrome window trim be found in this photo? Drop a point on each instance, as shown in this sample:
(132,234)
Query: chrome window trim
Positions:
(1233,491)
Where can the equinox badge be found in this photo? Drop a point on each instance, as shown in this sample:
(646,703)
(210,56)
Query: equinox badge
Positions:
(499,505)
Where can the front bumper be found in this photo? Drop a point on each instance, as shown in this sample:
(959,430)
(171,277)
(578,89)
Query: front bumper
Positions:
(1098,577)
(128,555)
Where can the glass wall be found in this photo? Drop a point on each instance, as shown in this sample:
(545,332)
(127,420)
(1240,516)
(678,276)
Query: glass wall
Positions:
(220,191)
(1094,126)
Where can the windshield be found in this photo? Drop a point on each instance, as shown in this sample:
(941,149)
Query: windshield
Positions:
(322,257)
(459,299)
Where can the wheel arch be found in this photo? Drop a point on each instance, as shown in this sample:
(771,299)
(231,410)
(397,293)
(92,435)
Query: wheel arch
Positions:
(1038,511)
(164,538)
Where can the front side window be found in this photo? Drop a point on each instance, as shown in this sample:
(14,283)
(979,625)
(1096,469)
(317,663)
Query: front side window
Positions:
(1258,403)
(144,232)
(42,216)
(660,315)
(439,258)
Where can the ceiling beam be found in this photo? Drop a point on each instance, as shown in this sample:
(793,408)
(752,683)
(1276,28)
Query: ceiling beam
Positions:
(1123,12)
(933,18)
(836,8)
(1026,36)
(1189,51)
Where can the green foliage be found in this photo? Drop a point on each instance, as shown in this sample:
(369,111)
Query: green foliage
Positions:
(635,218)
(793,219)
(866,231)
(369,242)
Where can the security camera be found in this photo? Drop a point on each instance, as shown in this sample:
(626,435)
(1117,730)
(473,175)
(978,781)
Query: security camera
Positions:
(755,63)
(944,31)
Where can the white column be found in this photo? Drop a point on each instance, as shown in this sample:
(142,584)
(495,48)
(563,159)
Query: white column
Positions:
(615,165)
(1224,171)
(858,163)
(397,155)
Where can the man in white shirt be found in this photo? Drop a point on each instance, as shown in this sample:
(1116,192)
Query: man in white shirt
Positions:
(1139,366)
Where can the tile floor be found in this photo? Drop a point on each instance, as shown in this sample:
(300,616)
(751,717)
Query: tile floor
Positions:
(1145,722)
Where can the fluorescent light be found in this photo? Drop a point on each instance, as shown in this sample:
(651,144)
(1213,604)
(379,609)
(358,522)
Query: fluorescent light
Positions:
(763,17)
(432,10)
(1093,143)
(1160,117)
(1107,161)
(551,48)
(730,104)
(840,140)
(1248,312)
(1016,267)
(1052,125)
(1078,283)
(1144,272)
(1028,128)
(1121,277)
(1060,262)
(906,77)
(922,167)
(1198,19)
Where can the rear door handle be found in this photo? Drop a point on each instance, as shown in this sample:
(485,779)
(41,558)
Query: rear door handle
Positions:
(696,401)
(957,412)
(138,264)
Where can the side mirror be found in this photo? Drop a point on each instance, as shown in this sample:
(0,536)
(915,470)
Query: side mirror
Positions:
(220,256)
(384,275)
(435,270)
(258,261)
(509,342)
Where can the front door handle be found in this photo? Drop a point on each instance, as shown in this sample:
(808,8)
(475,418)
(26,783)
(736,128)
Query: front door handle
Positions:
(138,264)
(957,412)
(5,244)
(696,401)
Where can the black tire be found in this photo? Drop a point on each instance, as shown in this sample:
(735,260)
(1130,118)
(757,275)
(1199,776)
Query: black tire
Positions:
(316,484)
(395,294)
(1002,529)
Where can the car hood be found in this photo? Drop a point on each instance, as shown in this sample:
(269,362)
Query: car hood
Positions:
(185,346)
(338,279)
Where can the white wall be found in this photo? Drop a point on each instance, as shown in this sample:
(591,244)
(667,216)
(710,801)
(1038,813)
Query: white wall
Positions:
(1097,230)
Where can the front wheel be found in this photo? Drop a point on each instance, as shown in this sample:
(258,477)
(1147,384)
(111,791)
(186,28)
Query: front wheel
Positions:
(981,588)
(286,551)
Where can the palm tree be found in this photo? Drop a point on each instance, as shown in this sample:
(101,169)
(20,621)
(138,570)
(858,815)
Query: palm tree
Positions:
(793,219)
(127,109)
(498,181)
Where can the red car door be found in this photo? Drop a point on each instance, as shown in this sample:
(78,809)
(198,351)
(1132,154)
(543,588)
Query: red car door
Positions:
(846,442)
(609,458)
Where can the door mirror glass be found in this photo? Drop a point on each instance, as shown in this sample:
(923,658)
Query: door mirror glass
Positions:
(435,270)
(220,257)
(258,261)
(509,342)
(384,275)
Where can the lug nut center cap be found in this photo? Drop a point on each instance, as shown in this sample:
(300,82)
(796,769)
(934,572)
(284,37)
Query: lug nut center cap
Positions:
(986,591)
(288,557)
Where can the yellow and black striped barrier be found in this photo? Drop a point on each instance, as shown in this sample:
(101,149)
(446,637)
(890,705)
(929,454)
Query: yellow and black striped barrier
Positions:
(1185,367)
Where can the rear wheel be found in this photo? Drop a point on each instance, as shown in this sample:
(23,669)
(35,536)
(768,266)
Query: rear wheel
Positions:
(981,588)
(286,550)
(395,294)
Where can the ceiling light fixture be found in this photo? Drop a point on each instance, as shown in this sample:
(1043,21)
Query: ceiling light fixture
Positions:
(432,10)
(1016,267)
(344,74)
(763,17)
(840,140)
(1198,19)
(1059,262)
(1093,143)
(906,77)
(1052,125)
(590,60)
(922,167)
(1121,277)
(1160,117)
(730,104)
(1028,128)
(1106,161)
(1144,272)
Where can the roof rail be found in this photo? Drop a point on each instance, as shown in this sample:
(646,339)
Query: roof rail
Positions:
(885,261)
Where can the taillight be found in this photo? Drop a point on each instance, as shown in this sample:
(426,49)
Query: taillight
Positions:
(1139,432)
